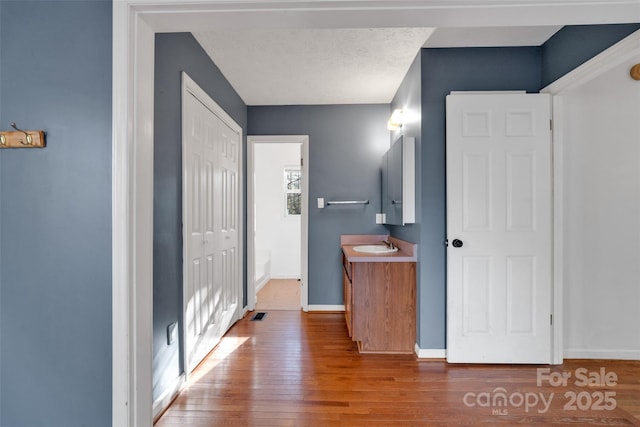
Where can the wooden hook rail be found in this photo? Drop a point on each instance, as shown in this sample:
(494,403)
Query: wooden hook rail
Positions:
(19,138)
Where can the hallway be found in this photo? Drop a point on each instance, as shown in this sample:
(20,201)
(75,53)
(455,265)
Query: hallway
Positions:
(279,294)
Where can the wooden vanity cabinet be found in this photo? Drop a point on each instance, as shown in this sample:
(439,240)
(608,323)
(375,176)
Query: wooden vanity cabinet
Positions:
(380,305)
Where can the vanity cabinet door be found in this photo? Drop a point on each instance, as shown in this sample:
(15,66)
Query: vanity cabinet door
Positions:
(347,300)
(347,274)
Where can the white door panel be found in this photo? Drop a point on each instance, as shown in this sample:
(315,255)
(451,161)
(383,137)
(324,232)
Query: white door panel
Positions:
(499,207)
(210,221)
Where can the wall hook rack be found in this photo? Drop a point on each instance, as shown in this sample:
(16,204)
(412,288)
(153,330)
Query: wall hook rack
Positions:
(22,138)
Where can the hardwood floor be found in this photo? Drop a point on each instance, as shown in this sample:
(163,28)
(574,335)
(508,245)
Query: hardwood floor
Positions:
(301,369)
(279,294)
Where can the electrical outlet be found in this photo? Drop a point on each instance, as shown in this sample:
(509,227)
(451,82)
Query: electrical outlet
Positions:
(172,333)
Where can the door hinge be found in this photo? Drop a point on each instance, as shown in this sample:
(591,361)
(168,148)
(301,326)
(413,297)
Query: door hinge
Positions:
(302,162)
(551,319)
(551,124)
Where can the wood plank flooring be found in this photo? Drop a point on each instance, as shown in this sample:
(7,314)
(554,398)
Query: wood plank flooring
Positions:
(279,294)
(301,369)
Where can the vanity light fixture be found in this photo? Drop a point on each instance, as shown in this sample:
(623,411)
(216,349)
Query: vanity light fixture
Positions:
(396,120)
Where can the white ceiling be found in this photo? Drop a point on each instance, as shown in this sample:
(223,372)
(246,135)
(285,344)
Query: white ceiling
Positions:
(314,66)
(491,36)
(339,66)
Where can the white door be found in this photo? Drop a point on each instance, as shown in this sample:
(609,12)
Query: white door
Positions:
(198,218)
(210,221)
(226,224)
(499,228)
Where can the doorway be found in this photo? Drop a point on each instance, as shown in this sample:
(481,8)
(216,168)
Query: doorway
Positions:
(277,222)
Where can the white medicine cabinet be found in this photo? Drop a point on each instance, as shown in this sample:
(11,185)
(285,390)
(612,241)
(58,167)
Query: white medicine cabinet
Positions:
(399,183)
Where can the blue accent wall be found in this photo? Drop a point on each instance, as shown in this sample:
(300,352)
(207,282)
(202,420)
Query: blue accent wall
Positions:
(174,53)
(446,70)
(346,145)
(55,216)
(575,44)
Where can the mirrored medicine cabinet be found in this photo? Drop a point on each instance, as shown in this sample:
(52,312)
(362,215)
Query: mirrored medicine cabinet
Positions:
(398,183)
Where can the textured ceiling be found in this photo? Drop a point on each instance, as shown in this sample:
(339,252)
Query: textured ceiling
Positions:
(314,66)
(491,36)
(339,66)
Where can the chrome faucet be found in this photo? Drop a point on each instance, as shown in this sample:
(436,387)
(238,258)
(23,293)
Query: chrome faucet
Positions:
(388,244)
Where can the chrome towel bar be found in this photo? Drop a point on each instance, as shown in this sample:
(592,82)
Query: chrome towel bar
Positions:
(348,202)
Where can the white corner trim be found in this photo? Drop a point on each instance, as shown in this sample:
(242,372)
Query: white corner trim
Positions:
(599,64)
(165,399)
(327,307)
(614,354)
(558,231)
(429,353)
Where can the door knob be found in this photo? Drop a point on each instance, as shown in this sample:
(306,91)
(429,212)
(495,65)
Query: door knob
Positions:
(457,243)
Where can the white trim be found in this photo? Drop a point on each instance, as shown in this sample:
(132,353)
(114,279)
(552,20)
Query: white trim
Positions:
(430,353)
(326,307)
(252,140)
(596,66)
(162,402)
(620,52)
(122,307)
(557,147)
(286,277)
(132,217)
(260,284)
(617,354)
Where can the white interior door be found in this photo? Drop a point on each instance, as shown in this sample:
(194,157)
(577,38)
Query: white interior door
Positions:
(212,278)
(200,290)
(226,223)
(499,275)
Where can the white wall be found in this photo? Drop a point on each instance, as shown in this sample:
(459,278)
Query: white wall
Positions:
(276,232)
(602,217)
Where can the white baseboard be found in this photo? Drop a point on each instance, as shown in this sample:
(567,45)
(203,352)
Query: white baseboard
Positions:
(162,402)
(430,353)
(321,307)
(581,353)
(261,282)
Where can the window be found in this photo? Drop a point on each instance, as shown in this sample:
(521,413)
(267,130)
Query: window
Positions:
(292,176)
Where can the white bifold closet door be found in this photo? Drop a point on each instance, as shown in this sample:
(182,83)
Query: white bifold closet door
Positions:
(210,220)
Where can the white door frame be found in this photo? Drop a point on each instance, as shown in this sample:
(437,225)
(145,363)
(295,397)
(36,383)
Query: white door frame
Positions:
(135,23)
(252,140)
(596,66)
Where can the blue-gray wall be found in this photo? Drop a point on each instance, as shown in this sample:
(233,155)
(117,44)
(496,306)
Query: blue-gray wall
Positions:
(55,281)
(445,70)
(346,145)
(575,44)
(174,53)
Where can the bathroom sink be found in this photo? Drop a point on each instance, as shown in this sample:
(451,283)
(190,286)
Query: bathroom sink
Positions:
(374,249)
